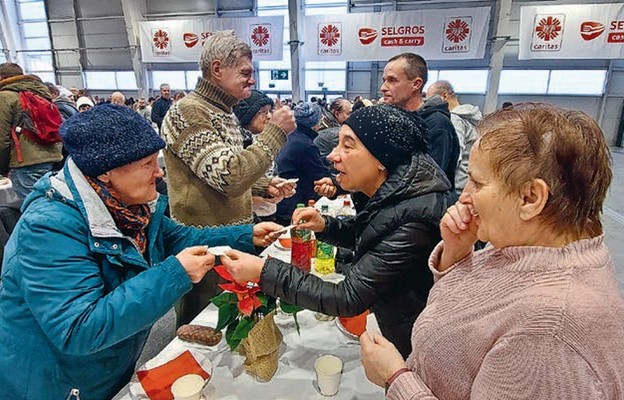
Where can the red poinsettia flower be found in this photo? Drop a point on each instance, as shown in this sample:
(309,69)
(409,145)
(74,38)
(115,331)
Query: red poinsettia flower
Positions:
(246,293)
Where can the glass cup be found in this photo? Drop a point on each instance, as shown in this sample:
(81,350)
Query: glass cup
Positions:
(328,372)
(188,387)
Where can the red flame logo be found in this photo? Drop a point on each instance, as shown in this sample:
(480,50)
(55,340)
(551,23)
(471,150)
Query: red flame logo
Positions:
(367,35)
(190,39)
(591,30)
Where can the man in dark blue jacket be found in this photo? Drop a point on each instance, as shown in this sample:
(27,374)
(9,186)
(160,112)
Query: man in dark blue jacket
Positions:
(161,106)
(404,77)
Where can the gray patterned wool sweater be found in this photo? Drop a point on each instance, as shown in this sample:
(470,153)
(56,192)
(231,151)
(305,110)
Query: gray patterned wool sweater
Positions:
(527,322)
(209,174)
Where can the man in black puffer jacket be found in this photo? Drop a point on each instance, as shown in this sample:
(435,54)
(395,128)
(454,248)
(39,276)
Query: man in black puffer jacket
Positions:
(382,154)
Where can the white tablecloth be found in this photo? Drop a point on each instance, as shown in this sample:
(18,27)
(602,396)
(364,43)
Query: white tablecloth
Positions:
(7,194)
(295,375)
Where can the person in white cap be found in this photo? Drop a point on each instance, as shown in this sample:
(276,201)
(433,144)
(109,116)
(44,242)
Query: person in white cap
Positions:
(84,104)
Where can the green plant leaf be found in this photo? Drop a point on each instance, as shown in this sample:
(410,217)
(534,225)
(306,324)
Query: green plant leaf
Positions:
(263,298)
(289,308)
(243,328)
(224,298)
(229,336)
(271,303)
(228,313)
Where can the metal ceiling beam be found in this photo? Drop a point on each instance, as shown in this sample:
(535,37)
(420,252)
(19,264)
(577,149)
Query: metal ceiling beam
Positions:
(9,31)
(134,11)
(501,36)
(83,60)
(295,16)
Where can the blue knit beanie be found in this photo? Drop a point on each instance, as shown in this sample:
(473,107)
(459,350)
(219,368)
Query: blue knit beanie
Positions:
(108,136)
(307,114)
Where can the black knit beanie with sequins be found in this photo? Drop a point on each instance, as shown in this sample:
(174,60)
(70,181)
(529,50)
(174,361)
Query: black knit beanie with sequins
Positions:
(391,134)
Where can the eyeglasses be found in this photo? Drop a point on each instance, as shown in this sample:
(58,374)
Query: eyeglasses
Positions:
(264,113)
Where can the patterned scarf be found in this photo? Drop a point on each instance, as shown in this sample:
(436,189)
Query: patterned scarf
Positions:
(131,220)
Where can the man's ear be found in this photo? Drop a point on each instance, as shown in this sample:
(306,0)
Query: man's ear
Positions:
(215,69)
(533,198)
(418,85)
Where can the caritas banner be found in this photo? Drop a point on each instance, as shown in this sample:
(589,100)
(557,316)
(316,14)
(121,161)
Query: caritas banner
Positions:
(459,33)
(182,40)
(572,31)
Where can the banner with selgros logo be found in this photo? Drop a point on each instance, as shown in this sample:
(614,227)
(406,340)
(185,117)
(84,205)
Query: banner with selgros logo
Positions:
(572,31)
(459,33)
(181,40)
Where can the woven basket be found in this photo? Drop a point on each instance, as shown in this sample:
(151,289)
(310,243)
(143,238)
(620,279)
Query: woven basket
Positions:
(260,348)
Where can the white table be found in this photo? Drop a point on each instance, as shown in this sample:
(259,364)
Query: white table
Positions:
(7,193)
(295,376)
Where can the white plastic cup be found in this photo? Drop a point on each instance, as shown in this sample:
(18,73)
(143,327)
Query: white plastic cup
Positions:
(188,387)
(328,372)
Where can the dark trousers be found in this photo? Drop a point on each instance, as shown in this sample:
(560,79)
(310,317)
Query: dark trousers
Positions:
(192,303)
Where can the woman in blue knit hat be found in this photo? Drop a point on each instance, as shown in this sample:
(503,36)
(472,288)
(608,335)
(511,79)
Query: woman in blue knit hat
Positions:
(93,262)
(300,158)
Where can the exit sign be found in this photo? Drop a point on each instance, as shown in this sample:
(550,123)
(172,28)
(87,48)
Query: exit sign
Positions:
(279,74)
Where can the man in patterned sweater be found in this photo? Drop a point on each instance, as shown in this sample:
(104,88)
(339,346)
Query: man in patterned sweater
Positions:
(209,174)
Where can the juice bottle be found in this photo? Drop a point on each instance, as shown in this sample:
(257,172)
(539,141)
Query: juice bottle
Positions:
(325,262)
(301,255)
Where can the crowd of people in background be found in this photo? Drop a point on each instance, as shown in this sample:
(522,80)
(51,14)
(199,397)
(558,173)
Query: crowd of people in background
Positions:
(531,315)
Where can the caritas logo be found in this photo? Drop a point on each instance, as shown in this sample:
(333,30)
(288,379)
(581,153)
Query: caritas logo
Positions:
(457,30)
(547,32)
(367,35)
(590,30)
(260,36)
(190,39)
(330,34)
(330,39)
(160,39)
(548,28)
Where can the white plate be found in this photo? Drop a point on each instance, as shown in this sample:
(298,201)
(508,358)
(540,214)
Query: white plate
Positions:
(201,356)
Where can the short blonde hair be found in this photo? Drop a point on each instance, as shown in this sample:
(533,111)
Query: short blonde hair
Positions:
(223,46)
(565,148)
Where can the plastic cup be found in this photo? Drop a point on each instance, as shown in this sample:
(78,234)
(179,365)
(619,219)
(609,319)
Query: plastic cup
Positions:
(188,387)
(328,372)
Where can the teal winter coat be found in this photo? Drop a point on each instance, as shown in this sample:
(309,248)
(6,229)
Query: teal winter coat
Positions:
(77,299)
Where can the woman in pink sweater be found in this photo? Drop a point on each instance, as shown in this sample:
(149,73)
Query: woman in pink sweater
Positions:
(538,314)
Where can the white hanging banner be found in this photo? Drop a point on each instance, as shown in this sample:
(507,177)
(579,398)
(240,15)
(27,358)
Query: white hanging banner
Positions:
(181,40)
(572,31)
(443,34)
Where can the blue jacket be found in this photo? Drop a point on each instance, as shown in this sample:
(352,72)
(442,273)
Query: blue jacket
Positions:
(443,142)
(300,158)
(159,110)
(77,300)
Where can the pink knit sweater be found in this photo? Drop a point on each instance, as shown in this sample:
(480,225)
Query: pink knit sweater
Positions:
(520,323)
